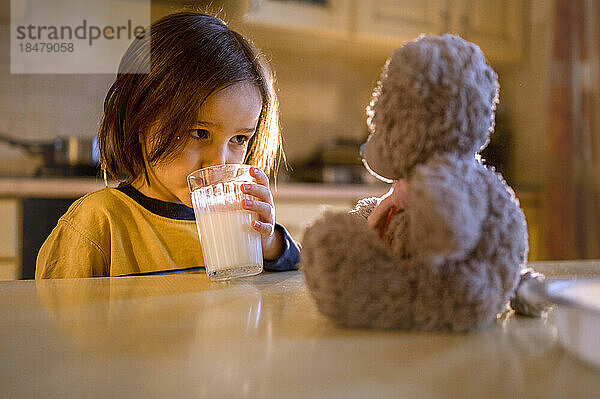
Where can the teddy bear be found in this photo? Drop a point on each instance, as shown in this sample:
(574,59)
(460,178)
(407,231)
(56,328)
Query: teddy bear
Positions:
(445,249)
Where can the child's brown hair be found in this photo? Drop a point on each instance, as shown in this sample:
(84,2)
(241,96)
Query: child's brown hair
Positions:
(191,56)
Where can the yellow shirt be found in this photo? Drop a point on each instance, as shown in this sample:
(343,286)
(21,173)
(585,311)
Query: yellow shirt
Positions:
(107,233)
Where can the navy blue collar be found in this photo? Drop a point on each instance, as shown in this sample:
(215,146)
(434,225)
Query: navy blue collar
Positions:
(166,209)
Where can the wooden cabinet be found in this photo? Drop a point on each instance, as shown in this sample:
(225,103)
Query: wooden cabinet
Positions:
(10,251)
(330,16)
(400,20)
(495,25)
(296,215)
(530,203)
(296,208)
(298,205)
(25,225)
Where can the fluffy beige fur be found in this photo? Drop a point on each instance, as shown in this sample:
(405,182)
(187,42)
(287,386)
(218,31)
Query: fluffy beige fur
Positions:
(453,256)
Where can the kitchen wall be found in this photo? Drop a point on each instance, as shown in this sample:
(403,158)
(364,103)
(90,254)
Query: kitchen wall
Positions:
(44,106)
(322,95)
(326,95)
(322,98)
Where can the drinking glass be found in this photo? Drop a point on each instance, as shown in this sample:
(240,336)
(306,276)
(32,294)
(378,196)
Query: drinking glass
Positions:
(230,246)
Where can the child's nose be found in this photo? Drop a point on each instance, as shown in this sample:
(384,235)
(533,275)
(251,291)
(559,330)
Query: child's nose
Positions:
(216,156)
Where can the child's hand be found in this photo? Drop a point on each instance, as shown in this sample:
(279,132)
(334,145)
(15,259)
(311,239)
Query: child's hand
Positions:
(272,242)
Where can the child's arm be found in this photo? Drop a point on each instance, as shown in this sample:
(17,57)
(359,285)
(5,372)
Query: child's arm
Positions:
(290,258)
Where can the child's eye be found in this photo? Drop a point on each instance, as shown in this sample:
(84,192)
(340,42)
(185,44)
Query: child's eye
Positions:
(199,133)
(240,139)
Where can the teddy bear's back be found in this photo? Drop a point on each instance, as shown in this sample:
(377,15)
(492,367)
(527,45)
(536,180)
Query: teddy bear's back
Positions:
(504,240)
(462,294)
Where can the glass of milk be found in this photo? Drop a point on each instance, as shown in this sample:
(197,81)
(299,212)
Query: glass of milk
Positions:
(230,246)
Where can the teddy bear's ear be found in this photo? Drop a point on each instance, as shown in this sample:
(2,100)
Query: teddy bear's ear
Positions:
(376,161)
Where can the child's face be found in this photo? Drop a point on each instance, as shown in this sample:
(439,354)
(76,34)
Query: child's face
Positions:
(226,122)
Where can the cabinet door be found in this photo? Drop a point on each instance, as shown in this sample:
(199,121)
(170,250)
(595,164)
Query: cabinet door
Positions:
(400,20)
(296,215)
(318,15)
(9,244)
(9,228)
(9,269)
(496,26)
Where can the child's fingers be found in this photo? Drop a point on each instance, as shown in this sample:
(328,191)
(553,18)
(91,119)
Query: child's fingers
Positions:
(259,191)
(260,176)
(265,229)
(265,211)
(263,206)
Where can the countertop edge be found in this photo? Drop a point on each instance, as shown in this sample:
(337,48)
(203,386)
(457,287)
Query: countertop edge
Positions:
(17,187)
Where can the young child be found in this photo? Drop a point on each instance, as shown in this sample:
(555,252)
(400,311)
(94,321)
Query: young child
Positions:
(208,99)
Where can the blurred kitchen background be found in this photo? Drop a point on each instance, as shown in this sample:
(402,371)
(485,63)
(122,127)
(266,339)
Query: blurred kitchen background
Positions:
(327,55)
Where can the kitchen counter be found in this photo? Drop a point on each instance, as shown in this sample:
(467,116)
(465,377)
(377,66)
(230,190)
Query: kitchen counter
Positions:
(14,187)
(18,187)
(184,336)
(27,187)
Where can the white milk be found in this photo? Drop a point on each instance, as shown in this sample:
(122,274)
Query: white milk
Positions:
(229,242)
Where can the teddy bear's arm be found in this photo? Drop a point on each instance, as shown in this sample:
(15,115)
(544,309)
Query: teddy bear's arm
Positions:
(446,208)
